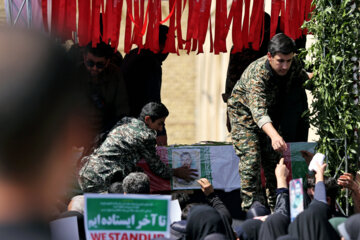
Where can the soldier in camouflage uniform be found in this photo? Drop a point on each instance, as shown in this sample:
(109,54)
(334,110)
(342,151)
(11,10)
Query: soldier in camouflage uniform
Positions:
(129,141)
(255,109)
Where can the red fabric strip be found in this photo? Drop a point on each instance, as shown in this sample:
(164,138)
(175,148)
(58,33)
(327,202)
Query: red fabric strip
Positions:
(157,18)
(237,22)
(308,10)
(145,22)
(192,24)
(231,16)
(115,31)
(190,27)
(203,23)
(284,27)
(178,24)
(220,25)
(291,14)
(107,23)
(54,16)
(275,10)
(170,41)
(245,28)
(84,22)
(170,14)
(149,34)
(141,23)
(128,27)
(257,25)
(70,20)
(137,26)
(95,36)
(301,16)
(60,28)
(44,15)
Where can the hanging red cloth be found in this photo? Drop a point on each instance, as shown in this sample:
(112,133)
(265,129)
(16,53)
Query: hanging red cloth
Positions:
(220,26)
(152,36)
(170,40)
(107,23)
(256,34)
(275,10)
(193,24)
(128,27)
(301,17)
(84,22)
(112,19)
(292,17)
(70,19)
(55,15)
(204,19)
(44,12)
(178,24)
(237,5)
(95,33)
(308,10)
(156,25)
(245,28)
(136,37)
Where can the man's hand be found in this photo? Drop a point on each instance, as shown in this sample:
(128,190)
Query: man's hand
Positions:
(347,181)
(319,175)
(206,186)
(307,156)
(278,144)
(277,141)
(188,174)
(281,173)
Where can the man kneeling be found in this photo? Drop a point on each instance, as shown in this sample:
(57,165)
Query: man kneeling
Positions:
(127,143)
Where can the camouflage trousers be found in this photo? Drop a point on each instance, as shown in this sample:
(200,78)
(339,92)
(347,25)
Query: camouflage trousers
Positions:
(254,150)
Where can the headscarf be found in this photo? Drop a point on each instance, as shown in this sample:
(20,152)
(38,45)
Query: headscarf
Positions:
(215,236)
(313,223)
(350,229)
(257,210)
(205,220)
(275,225)
(178,230)
(249,230)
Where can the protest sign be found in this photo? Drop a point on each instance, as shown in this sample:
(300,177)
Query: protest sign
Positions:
(120,217)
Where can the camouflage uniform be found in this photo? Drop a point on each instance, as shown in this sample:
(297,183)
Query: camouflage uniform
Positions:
(258,98)
(128,142)
(238,62)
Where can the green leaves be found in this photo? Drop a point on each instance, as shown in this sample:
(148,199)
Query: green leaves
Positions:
(335,60)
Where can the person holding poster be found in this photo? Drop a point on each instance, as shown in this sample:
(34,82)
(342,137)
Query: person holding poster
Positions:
(255,110)
(131,140)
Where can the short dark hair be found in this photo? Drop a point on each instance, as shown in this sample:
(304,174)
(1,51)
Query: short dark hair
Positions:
(36,99)
(331,186)
(154,110)
(101,50)
(116,187)
(281,43)
(332,189)
(136,182)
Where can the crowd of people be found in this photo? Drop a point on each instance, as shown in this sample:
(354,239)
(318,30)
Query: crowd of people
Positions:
(51,103)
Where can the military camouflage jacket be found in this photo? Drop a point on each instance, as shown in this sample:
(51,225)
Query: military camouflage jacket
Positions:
(128,142)
(259,94)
